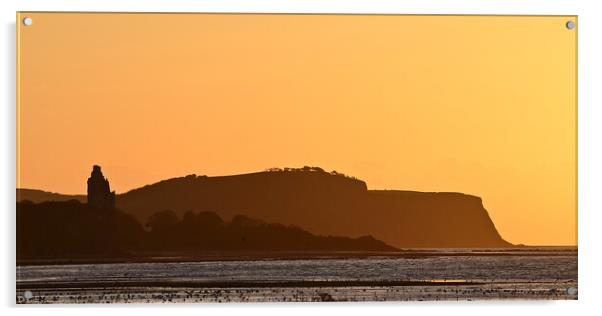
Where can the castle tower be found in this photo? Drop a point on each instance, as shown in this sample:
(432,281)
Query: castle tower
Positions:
(99,191)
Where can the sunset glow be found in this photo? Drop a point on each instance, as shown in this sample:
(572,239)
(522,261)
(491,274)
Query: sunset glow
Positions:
(483,105)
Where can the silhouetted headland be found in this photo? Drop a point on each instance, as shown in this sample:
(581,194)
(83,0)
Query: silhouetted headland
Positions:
(64,231)
(323,203)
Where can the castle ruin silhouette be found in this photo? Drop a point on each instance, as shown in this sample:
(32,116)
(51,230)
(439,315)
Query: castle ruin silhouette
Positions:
(99,191)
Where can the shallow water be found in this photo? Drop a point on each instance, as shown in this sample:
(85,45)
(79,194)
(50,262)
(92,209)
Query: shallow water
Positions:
(503,275)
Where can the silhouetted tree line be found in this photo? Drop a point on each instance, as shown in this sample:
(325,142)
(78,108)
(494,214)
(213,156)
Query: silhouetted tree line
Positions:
(308,169)
(72,229)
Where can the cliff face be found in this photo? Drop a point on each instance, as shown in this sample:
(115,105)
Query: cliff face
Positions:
(326,204)
(432,219)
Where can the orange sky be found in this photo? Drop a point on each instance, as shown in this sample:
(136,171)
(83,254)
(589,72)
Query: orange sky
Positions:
(484,105)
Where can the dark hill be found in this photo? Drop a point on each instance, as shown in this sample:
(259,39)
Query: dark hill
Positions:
(38,196)
(326,204)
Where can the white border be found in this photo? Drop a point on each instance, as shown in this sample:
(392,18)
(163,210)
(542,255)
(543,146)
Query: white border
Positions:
(590,155)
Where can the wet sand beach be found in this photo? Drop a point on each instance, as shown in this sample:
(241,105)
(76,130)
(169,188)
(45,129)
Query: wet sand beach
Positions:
(492,291)
(453,275)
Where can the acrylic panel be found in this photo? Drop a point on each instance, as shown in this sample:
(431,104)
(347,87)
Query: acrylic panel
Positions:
(190,157)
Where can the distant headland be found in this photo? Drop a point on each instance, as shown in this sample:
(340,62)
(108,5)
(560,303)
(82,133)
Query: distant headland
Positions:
(320,202)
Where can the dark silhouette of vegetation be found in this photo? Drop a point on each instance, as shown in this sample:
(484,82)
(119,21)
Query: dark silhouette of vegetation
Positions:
(70,230)
(309,169)
(162,220)
(207,231)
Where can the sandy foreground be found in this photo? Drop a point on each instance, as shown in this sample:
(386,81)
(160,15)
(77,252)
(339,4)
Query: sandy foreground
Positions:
(544,273)
(302,292)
